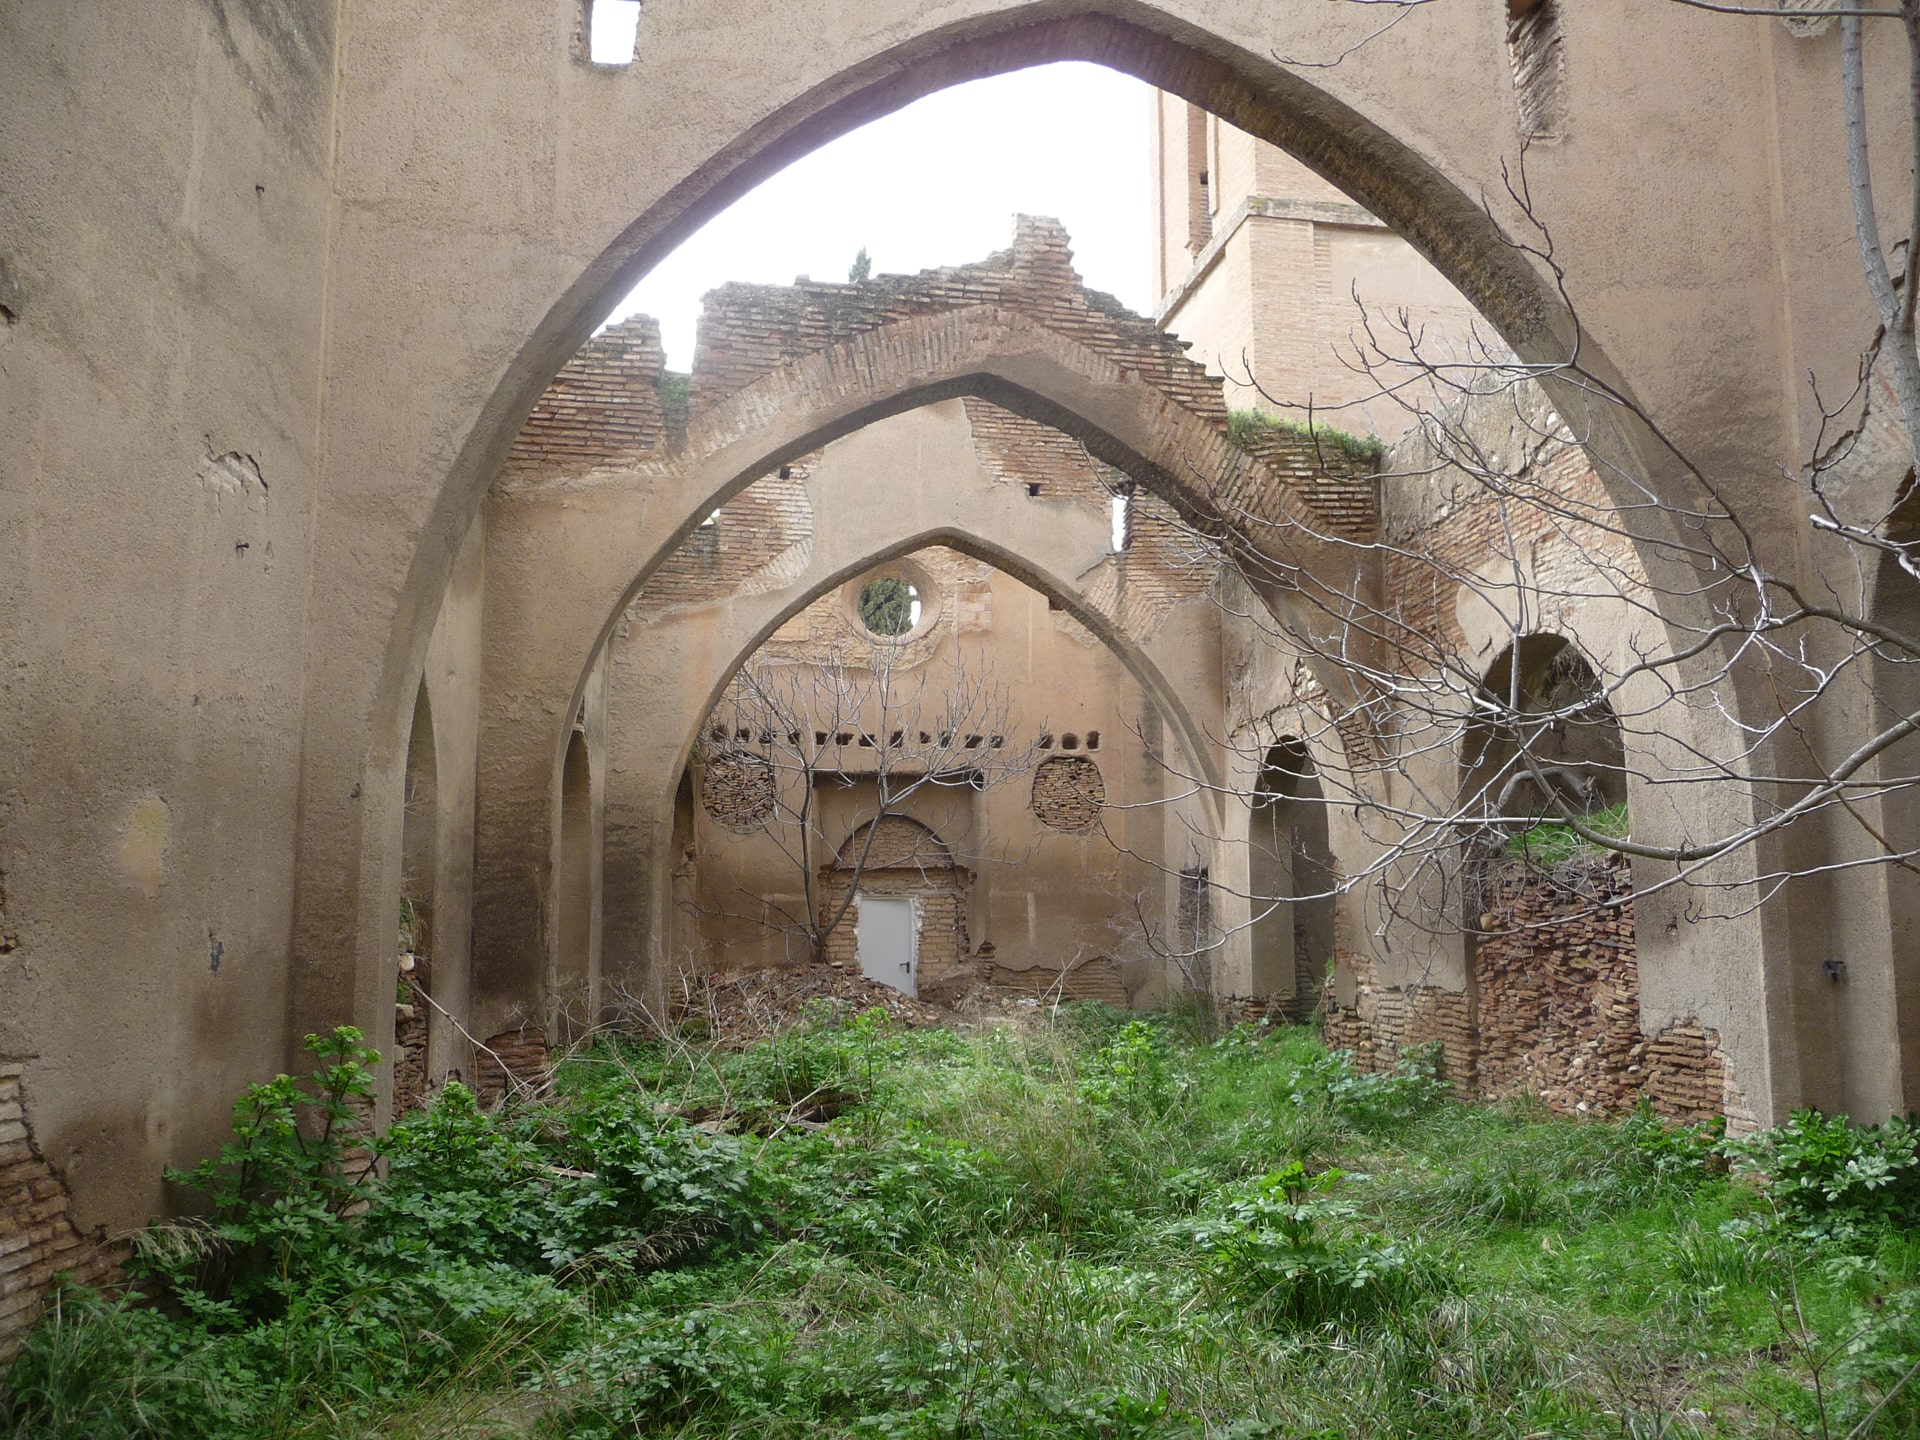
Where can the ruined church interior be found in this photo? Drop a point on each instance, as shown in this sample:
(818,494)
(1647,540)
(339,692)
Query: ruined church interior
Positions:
(1437,613)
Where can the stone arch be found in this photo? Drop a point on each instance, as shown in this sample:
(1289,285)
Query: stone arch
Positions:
(641,907)
(1290,858)
(1582,756)
(1323,121)
(664,505)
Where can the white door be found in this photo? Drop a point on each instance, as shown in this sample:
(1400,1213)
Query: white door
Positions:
(885,934)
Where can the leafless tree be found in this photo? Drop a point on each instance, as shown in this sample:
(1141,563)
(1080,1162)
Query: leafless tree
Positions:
(1733,658)
(860,719)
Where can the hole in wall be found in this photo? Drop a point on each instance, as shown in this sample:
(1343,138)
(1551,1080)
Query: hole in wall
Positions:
(613,31)
(1534,47)
(889,607)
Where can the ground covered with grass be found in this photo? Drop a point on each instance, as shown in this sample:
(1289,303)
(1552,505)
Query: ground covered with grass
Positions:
(1102,1226)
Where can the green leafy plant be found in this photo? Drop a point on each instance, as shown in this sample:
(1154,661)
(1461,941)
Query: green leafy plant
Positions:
(1829,1178)
(280,1191)
(1552,842)
(1130,1073)
(1373,1100)
(1285,1243)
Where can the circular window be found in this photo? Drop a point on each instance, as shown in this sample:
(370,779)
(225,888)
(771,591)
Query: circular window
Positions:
(889,607)
(1068,792)
(737,791)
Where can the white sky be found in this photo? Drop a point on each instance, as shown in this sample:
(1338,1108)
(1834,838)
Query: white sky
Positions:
(937,183)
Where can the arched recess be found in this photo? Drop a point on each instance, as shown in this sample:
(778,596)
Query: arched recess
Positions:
(1290,858)
(413,1063)
(907,861)
(575,901)
(1233,75)
(641,906)
(949,498)
(1578,755)
(419,837)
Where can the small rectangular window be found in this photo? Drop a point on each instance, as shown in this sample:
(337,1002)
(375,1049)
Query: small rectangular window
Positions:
(613,31)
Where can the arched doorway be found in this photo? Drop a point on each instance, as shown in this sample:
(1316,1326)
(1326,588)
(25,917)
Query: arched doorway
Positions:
(1519,767)
(1291,877)
(907,922)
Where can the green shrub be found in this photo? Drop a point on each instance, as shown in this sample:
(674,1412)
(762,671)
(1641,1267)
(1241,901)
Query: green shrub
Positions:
(1131,1073)
(1829,1178)
(1285,1245)
(281,1190)
(1373,1100)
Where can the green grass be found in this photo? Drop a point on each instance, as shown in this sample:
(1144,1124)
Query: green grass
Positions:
(1108,1228)
(1549,842)
(1244,427)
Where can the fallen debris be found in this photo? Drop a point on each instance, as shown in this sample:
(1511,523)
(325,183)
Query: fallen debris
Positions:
(739,1008)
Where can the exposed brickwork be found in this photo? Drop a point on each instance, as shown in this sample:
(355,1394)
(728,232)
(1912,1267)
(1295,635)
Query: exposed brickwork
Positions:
(1068,792)
(1095,979)
(1026,453)
(1440,527)
(738,791)
(410,1057)
(747,332)
(38,1239)
(908,859)
(759,540)
(1383,1021)
(1553,1008)
(603,408)
(527,1060)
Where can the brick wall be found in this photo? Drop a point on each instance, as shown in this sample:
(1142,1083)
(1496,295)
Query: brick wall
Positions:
(738,791)
(1068,793)
(38,1239)
(604,408)
(905,859)
(1441,525)
(1095,979)
(410,1057)
(1552,1007)
(517,1057)
(749,331)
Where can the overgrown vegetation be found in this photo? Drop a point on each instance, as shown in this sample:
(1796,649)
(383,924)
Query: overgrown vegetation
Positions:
(1246,427)
(1106,1228)
(1549,842)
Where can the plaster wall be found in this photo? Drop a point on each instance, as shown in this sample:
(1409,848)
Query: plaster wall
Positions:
(163,270)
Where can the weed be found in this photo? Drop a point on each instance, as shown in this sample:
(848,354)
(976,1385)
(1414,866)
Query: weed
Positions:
(1106,1227)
